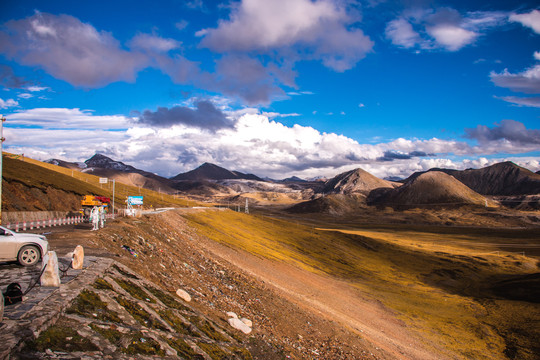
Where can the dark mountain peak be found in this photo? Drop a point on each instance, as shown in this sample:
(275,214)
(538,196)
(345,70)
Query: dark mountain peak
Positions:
(355,181)
(209,166)
(209,171)
(104,162)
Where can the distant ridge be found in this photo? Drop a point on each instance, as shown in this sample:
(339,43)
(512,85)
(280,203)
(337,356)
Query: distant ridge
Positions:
(104,166)
(104,162)
(208,171)
(356,181)
(505,178)
(432,188)
(293,179)
(66,164)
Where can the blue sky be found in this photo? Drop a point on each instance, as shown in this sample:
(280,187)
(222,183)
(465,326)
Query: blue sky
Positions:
(276,88)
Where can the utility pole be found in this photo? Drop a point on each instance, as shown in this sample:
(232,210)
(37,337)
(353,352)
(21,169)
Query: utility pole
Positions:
(2,119)
(247,207)
(113,182)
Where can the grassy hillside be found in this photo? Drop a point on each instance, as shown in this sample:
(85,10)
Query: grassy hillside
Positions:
(442,288)
(34,185)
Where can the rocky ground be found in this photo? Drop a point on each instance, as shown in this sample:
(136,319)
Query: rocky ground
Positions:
(172,256)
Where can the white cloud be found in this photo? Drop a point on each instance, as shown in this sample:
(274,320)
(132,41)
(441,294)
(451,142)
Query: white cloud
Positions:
(444,28)
(181,25)
(4,104)
(273,115)
(25,96)
(451,37)
(153,43)
(37,88)
(61,118)
(255,144)
(320,28)
(522,101)
(531,20)
(70,50)
(401,33)
(537,55)
(527,81)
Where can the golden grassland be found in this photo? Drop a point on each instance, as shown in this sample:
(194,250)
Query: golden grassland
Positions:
(439,284)
(34,173)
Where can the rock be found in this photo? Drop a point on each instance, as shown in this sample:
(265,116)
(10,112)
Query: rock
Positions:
(232,315)
(51,275)
(239,325)
(247,322)
(78,258)
(183,295)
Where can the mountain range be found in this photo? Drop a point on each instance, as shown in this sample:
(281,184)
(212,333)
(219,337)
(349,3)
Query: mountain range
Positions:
(348,190)
(505,178)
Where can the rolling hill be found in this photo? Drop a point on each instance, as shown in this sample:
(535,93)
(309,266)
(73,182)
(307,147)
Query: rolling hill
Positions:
(430,189)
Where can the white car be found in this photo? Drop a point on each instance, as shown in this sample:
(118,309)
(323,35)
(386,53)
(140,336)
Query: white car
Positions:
(26,249)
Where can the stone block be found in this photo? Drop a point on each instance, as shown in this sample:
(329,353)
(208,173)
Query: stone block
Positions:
(51,275)
(78,258)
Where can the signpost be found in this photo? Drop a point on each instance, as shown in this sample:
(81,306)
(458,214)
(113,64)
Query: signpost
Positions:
(2,119)
(135,200)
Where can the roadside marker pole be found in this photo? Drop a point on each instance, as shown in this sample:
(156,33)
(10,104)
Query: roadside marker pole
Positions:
(2,119)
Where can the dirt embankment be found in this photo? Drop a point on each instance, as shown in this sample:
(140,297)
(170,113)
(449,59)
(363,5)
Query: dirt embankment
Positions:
(172,255)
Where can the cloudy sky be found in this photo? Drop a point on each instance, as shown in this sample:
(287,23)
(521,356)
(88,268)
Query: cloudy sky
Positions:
(275,88)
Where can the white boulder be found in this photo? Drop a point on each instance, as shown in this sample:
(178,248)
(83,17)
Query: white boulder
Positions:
(239,325)
(232,315)
(183,295)
(51,275)
(247,322)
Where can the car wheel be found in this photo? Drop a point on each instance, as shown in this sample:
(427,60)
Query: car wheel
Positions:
(28,255)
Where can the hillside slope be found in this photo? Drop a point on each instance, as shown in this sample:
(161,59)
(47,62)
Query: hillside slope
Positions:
(431,189)
(332,204)
(34,185)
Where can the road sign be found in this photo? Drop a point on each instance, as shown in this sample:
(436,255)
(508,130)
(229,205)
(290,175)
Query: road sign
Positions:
(135,200)
(103,180)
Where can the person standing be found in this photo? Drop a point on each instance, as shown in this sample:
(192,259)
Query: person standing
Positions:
(95,218)
(101,217)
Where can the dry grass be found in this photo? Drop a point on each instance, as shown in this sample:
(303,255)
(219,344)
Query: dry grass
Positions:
(34,173)
(437,283)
